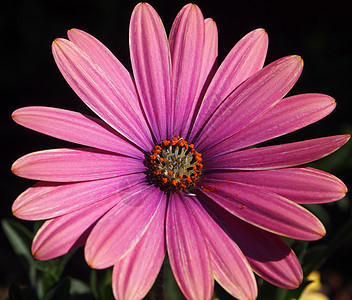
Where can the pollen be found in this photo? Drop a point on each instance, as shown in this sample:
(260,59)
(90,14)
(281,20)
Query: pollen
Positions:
(173,165)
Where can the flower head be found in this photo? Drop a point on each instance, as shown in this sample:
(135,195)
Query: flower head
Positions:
(167,168)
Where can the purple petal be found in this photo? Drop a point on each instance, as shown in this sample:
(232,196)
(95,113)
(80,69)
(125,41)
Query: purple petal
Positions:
(210,55)
(268,254)
(278,156)
(69,165)
(134,275)
(188,252)
(110,100)
(288,115)
(59,235)
(250,100)
(230,266)
(301,185)
(75,127)
(246,58)
(123,226)
(47,200)
(264,209)
(151,63)
(110,65)
(186,46)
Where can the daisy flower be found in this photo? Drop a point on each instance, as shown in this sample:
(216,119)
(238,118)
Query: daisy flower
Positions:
(168,168)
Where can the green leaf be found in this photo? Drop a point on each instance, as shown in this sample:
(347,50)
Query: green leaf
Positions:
(20,239)
(344,234)
(59,291)
(94,283)
(54,267)
(105,286)
(171,288)
(79,287)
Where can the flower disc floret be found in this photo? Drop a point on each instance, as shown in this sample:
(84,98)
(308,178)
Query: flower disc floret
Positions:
(173,165)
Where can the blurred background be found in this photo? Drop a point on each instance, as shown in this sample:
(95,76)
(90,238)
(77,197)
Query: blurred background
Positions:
(320,32)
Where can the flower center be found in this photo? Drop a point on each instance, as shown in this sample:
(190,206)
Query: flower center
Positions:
(173,165)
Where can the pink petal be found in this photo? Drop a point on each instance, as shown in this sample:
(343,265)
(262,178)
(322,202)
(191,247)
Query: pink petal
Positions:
(230,266)
(110,100)
(188,252)
(250,100)
(264,209)
(113,70)
(123,226)
(210,55)
(151,63)
(186,46)
(268,254)
(246,58)
(288,115)
(109,64)
(301,185)
(59,235)
(69,165)
(47,200)
(278,156)
(134,275)
(75,127)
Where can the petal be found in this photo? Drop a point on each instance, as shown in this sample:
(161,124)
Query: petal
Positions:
(287,115)
(210,55)
(188,253)
(264,209)
(112,101)
(250,100)
(74,127)
(186,46)
(278,156)
(230,266)
(246,58)
(301,185)
(112,68)
(123,226)
(151,64)
(47,200)
(100,55)
(134,275)
(59,235)
(267,253)
(69,165)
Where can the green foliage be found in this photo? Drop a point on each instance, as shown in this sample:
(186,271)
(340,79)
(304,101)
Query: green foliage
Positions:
(45,277)
(48,283)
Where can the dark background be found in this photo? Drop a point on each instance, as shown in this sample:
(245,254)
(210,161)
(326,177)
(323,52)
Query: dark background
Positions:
(320,32)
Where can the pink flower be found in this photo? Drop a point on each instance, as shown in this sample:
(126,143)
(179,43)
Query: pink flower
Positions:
(168,168)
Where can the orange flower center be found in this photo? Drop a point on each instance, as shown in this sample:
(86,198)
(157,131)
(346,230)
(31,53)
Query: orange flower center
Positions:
(174,165)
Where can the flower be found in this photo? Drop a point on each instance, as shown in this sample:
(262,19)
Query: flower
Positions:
(167,168)
(313,290)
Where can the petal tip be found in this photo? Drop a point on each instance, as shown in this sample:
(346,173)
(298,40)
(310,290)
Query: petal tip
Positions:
(13,168)
(261,31)
(72,31)
(14,115)
(322,234)
(297,284)
(298,59)
(141,5)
